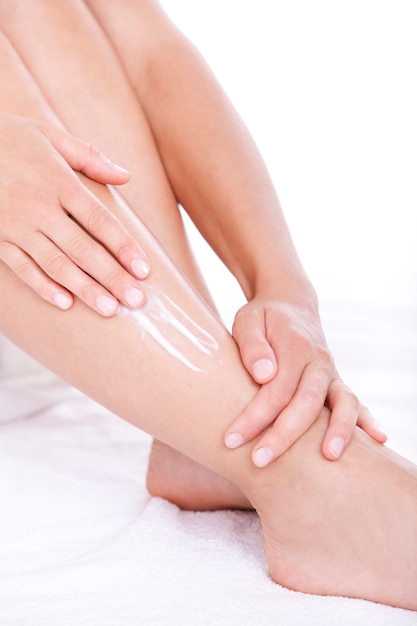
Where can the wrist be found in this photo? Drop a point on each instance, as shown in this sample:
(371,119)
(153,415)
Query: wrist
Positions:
(278,276)
(295,290)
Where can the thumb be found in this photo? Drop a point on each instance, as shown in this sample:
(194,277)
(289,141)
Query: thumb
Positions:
(86,158)
(256,353)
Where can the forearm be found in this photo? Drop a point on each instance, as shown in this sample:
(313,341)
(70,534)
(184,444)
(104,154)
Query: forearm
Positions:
(212,162)
(217,172)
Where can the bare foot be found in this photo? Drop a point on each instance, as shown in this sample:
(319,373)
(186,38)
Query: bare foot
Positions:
(344,528)
(175,477)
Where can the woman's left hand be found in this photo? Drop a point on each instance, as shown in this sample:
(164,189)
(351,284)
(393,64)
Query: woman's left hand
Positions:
(283,347)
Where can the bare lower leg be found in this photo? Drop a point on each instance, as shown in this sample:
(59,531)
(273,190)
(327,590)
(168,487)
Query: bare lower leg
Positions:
(188,484)
(70,88)
(329,528)
(346,528)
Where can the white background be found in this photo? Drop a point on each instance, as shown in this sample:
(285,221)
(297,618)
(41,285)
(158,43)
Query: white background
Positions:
(328,89)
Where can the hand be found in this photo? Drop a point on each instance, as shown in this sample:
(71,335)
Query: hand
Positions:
(54,233)
(284,349)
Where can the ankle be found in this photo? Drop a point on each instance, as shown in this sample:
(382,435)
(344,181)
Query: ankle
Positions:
(302,458)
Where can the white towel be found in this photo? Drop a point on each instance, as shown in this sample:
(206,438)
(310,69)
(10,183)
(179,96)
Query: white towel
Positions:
(81,543)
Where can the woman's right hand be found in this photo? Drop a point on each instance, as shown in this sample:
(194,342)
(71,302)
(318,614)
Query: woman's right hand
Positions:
(54,233)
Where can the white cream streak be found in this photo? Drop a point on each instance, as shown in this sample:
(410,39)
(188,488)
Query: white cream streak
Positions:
(163,310)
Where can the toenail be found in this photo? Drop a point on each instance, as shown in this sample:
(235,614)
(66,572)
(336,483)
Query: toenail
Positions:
(262,457)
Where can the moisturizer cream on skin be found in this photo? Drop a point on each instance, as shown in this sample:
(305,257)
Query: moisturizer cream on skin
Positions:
(161,318)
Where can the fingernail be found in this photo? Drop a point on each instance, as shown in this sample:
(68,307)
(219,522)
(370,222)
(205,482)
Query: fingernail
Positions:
(140,268)
(262,369)
(336,446)
(262,457)
(133,296)
(62,300)
(106,305)
(234,440)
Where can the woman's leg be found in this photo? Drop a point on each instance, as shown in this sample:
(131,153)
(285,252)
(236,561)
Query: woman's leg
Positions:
(145,365)
(83,68)
(346,528)
(329,528)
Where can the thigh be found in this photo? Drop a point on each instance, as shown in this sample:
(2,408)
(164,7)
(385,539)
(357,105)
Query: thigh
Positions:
(68,54)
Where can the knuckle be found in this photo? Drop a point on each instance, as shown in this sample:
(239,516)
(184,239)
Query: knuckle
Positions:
(124,249)
(15,258)
(25,270)
(345,424)
(298,341)
(70,189)
(352,396)
(278,395)
(94,152)
(86,290)
(54,264)
(254,419)
(99,220)
(114,280)
(41,286)
(311,396)
(325,357)
(355,403)
(349,397)
(280,439)
(81,248)
(244,318)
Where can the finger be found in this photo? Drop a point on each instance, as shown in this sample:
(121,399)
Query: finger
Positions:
(58,266)
(344,407)
(93,259)
(270,400)
(86,158)
(257,416)
(295,419)
(99,222)
(369,424)
(256,353)
(31,274)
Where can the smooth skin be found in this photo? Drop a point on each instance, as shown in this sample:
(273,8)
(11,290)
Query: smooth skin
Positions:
(196,131)
(329,527)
